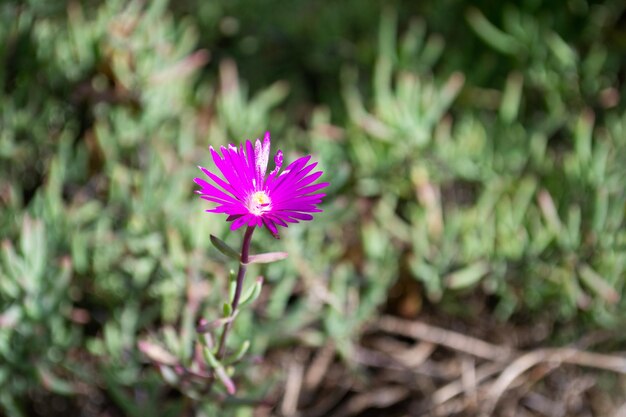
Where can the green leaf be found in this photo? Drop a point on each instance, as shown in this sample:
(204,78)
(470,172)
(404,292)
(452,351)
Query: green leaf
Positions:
(511,99)
(53,383)
(467,276)
(583,136)
(9,404)
(227,309)
(11,316)
(429,275)
(252,293)
(490,34)
(232,285)
(169,375)
(220,372)
(243,349)
(598,284)
(601,208)
(224,248)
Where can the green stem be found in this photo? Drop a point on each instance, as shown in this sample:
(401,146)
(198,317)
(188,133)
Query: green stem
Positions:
(243,265)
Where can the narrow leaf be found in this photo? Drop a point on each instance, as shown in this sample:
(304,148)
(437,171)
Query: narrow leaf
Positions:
(169,375)
(156,353)
(53,383)
(227,309)
(265,258)
(252,293)
(240,352)
(598,284)
(490,34)
(207,326)
(468,276)
(219,370)
(509,106)
(221,246)
(232,286)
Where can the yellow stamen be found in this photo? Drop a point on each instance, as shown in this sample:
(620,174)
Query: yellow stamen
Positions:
(259,203)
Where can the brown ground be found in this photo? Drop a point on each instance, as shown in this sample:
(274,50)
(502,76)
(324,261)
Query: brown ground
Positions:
(413,368)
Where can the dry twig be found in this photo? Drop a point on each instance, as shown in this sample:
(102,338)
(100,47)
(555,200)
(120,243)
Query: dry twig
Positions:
(502,361)
(453,340)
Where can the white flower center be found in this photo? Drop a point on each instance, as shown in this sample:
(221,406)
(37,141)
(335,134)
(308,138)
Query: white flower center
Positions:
(259,203)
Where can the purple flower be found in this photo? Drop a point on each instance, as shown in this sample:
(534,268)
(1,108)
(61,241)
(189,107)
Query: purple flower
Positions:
(252,199)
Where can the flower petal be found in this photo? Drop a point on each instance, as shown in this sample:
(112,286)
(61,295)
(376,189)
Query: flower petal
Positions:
(283,197)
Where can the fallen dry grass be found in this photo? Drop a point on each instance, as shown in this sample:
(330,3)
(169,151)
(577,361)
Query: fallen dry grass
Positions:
(414,368)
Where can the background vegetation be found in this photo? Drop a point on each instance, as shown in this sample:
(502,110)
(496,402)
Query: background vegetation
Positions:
(476,157)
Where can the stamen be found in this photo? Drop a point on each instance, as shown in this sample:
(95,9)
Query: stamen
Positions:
(259,203)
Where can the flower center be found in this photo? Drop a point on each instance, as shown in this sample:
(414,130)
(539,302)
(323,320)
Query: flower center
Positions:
(259,203)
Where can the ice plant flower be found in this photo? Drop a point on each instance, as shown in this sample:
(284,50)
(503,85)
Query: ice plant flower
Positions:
(251,198)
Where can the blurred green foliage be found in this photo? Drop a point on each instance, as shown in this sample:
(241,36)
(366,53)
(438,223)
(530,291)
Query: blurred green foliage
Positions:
(474,149)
